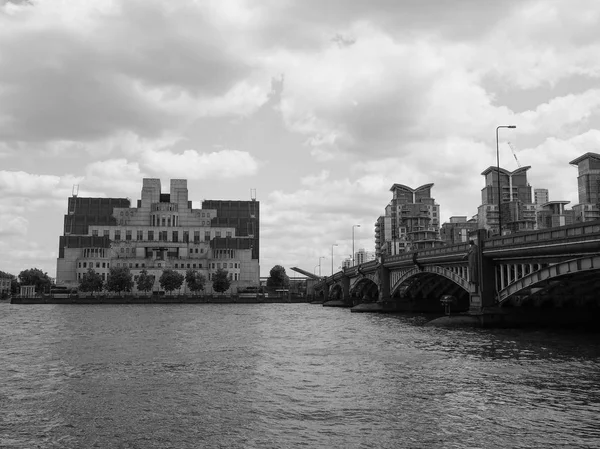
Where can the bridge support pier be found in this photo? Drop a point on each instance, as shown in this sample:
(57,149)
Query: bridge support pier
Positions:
(482,278)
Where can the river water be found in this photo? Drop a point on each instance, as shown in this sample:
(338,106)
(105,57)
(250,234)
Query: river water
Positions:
(286,376)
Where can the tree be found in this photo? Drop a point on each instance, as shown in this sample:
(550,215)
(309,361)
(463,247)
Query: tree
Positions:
(145,281)
(119,280)
(91,281)
(171,280)
(278,278)
(195,281)
(221,281)
(35,276)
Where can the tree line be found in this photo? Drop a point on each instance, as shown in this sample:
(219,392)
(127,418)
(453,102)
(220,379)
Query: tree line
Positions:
(120,280)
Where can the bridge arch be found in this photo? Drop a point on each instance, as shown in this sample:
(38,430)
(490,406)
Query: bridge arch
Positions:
(365,289)
(543,277)
(407,274)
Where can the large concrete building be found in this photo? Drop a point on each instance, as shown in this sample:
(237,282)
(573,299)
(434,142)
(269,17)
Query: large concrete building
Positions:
(411,221)
(457,230)
(517,207)
(588,187)
(163,231)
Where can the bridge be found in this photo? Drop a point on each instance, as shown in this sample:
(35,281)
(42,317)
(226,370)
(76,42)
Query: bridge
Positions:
(550,274)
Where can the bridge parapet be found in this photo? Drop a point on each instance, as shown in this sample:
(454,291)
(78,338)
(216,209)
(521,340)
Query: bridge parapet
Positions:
(581,233)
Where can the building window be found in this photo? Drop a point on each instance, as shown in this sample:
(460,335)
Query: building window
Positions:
(203,216)
(196,236)
(217,233)
(122,250)
(206,236)
(103,276)
(143,265)
(186,236)
(218,265)
(117,234)
(107,265)
(128,234)
(194,265)
(230,264)
(79,264)
(159,265)
(175,236)
(130,265)
(137,265)
(103,264)
(199,265)
(97,264)
(106,233)
(151,235)
(164,236)
(228,233)
(84,264)
(163,221)
(94,232)
(188,265)
(140,235)
(213,265)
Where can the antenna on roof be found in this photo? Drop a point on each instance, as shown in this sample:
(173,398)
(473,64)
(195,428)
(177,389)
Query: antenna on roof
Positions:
(75,190)
(253,194)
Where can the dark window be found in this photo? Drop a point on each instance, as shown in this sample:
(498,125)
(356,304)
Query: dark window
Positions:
(117,235)
(128,235)
(151,235)
(175,236)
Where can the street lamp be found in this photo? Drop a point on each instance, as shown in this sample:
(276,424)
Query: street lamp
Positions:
(334,244)
(498,168)
(320,257)
(353,255)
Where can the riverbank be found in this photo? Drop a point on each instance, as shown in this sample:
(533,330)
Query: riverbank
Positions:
(154,300)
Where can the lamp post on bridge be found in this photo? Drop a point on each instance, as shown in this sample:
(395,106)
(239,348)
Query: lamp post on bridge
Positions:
(498,168)
(320,257)
(334,244)
(353,253)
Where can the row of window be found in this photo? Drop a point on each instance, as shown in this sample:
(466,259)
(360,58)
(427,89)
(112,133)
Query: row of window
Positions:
(162,235)
(232,276)
(216,265)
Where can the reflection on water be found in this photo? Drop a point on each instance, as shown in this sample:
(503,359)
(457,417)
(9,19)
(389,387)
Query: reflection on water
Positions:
(287,375)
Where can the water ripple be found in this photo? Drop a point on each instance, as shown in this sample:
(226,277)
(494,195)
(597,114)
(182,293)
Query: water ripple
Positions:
(272,376)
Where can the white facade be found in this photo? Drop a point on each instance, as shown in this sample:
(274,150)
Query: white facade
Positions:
(163,232)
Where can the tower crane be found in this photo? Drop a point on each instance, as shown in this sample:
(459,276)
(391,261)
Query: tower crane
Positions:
(512,147)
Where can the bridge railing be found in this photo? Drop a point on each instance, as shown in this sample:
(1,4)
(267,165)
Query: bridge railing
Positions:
(580,231)
(433,252)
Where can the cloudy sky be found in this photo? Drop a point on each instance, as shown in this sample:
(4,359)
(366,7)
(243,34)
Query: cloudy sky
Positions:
(320,106)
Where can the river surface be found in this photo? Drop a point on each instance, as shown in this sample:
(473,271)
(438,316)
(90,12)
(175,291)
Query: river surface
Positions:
(287,376)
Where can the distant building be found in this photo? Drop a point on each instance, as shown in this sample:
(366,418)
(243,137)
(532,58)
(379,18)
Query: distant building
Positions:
(5,281)
(517,208)
(588,187)
(457,230)
(163,231)
(540,196)
(411,221)
(363,256)
(553,213)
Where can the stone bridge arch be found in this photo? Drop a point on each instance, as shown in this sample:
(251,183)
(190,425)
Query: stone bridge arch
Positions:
(364,289)
(400,277)
(581,272)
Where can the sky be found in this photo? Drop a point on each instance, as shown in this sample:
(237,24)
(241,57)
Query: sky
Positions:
(318,107)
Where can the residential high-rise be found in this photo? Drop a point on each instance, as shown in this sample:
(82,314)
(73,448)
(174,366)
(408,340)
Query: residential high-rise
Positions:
(411,221)
(517,208)
(540,196)
(588,187)
(163,231)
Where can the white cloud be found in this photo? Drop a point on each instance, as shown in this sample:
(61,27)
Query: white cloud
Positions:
(193,164)
(13,225)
